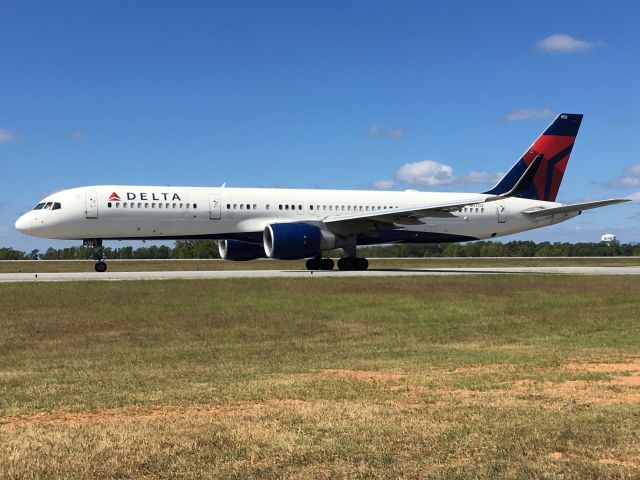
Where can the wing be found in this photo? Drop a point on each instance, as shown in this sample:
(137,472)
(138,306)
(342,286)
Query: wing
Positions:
(409,215)
(412,215)
(576,207)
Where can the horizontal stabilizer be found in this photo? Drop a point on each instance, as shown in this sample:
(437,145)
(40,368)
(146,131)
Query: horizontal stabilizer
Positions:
(576,207)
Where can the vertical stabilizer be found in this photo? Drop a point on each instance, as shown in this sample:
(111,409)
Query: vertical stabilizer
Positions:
(554,146)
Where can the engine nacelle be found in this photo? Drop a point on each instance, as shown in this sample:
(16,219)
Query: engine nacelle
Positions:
(292,241)
(240,251)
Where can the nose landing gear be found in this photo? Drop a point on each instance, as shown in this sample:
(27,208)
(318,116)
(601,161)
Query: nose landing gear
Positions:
(98,253)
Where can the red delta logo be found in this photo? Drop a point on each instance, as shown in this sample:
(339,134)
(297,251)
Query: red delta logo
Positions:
(114,197)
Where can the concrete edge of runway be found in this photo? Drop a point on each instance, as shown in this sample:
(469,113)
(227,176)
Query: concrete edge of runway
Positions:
(227,274)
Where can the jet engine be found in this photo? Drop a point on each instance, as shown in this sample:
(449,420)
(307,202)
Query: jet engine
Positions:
(240,251)
(292,241)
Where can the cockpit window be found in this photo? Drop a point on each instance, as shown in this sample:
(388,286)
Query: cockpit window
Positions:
(56,206)
(39,206)
(47,205)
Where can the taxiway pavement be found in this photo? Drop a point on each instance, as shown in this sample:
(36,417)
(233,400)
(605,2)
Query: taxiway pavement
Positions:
(226,274)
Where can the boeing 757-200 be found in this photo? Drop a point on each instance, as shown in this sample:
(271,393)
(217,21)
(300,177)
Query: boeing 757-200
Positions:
(251,223)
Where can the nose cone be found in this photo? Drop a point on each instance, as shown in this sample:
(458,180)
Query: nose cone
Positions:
(24,223)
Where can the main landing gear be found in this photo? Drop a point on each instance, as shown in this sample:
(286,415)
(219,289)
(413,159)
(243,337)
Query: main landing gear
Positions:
(347,263)
(353,263)
(98,254)
(318,263)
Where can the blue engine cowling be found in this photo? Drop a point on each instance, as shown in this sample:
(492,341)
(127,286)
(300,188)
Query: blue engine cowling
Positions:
(291,241)
(240,251)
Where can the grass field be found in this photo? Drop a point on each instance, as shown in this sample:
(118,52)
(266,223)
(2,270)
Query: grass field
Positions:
(439,377)
(42,266)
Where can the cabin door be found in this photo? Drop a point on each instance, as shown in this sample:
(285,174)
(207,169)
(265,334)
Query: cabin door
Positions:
(91,204)
(214,207)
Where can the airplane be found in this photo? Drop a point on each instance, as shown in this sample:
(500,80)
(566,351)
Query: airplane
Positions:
(252,223)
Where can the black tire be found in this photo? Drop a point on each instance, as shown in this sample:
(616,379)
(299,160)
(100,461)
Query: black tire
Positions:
(313,264)
(347,264)
(101,267)
(326,264)
(361,263)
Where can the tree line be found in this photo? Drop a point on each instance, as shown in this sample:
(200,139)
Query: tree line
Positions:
(209,249)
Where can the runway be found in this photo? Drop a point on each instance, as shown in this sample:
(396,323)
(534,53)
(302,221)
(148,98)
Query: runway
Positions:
(227,274)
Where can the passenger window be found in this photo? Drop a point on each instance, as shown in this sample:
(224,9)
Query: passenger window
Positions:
(124,204)
(267,206)
(108,205)
(279,207)
(293,207)
(299,207)
(255,207)
(248,206)
(367,208)
(181,205)
(117,205)
(228,206)
(146,205)
(153,205)
(286,207)
(139,204)
(331,207)
(195,205)
(310,207)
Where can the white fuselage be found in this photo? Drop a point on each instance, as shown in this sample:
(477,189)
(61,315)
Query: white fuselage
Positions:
(152,212)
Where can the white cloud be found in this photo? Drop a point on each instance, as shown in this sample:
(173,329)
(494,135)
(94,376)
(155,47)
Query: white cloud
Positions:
(7,136)
(483,177)
(76,134)
(376,131)
(527,113)
(383,184)
(630,178)
(426,172)
(432,173)
(563,43)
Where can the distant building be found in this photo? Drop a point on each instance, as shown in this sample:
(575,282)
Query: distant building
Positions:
(608,237)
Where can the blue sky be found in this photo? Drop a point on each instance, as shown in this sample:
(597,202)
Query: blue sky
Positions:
(325,94)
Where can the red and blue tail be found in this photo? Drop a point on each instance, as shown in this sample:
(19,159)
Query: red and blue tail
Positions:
(554,148)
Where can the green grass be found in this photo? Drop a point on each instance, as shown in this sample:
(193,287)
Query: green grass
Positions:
(263,264)
(438,377)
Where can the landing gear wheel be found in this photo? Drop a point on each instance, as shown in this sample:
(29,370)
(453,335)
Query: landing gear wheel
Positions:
(326,264)
(347,264)
(361,263)
(313,264)
(101,267)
